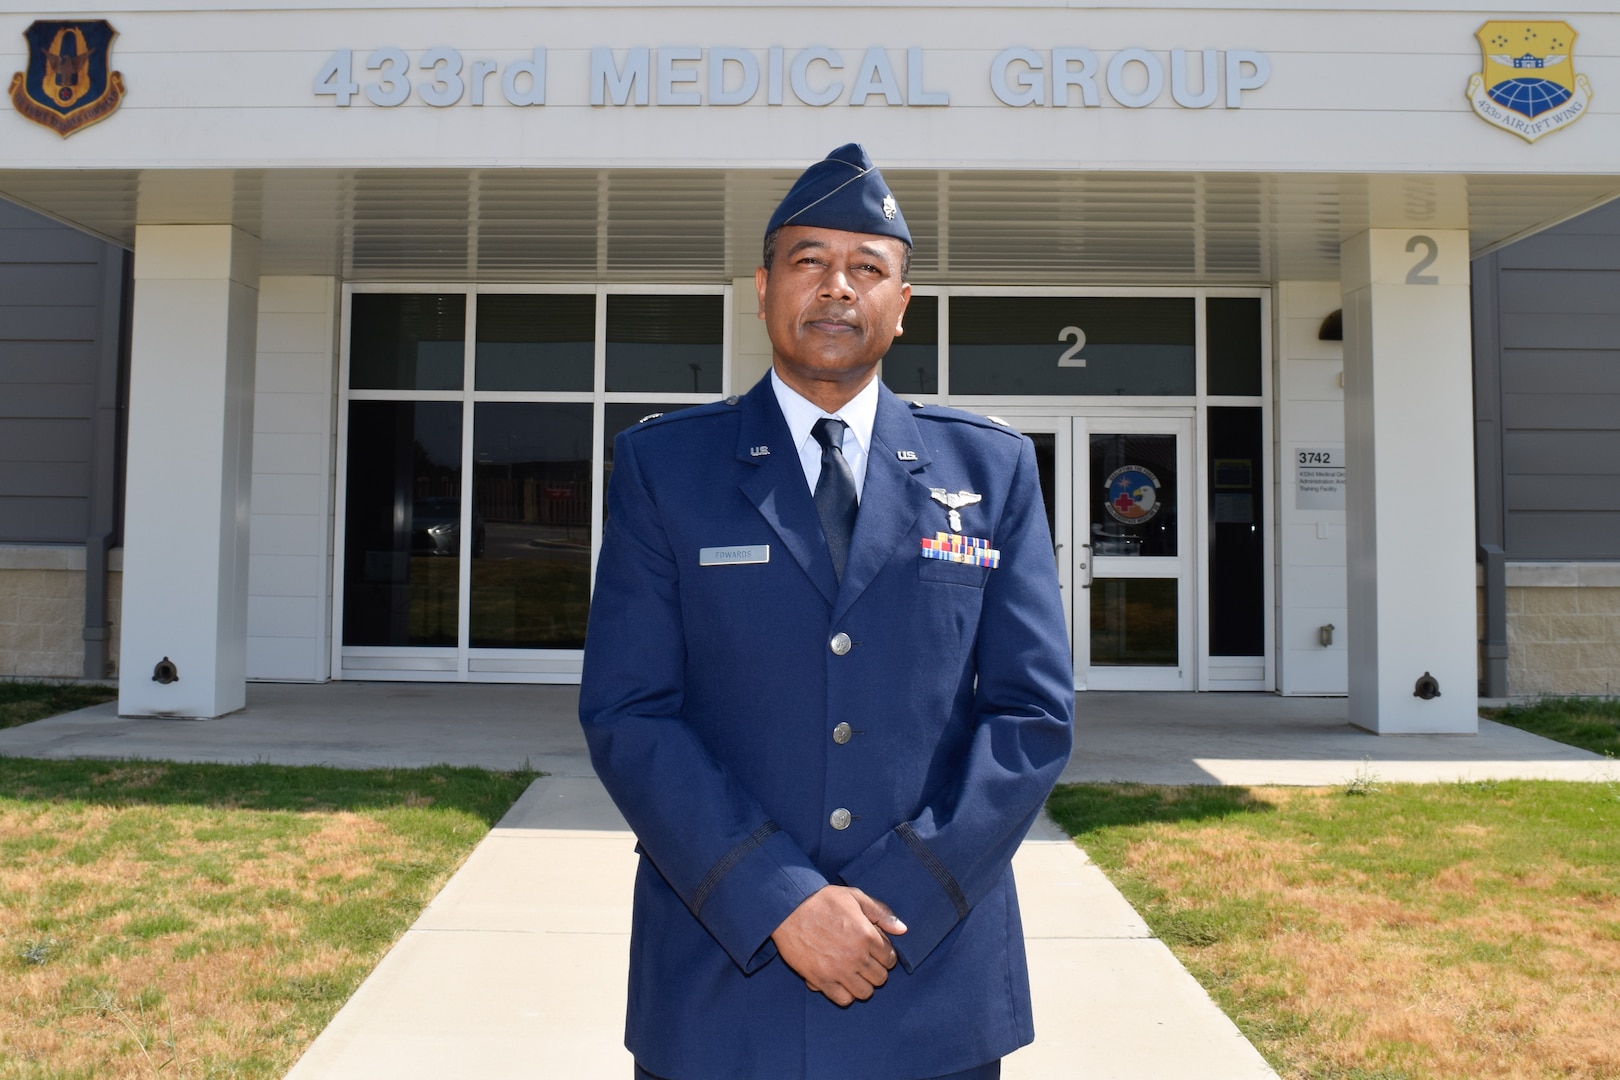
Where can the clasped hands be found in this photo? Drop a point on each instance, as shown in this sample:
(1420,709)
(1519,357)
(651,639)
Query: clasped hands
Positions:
(837,940)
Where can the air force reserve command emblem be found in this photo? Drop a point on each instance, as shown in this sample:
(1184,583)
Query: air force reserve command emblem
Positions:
(69,83)
(1529,85)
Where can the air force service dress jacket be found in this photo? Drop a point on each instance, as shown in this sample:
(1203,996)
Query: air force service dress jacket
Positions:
(767,729)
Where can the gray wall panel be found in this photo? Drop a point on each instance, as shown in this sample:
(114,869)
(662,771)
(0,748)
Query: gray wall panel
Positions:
(48,361)
(1542,535)
(43,400)
(45,440)
(60,294)
(48,286)
(1577,453)
(1595,330)
(1561,412)
(61,323)
(1547,359)
(1561,371)
(1561,252)
(43,479)
(43,521)
(1579,493)
(1558,292)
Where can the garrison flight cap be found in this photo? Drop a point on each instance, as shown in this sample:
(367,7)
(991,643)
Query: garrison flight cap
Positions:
(843,191)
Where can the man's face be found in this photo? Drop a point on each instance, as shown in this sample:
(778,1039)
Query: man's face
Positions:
(832,304)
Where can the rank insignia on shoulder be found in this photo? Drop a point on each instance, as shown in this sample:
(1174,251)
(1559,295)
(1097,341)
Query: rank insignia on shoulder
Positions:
(969,550)
(649,416)
(996,420)
(906,455)
(759,451)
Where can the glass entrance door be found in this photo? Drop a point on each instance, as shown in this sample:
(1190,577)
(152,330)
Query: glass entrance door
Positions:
(1133,557)
(1118,497)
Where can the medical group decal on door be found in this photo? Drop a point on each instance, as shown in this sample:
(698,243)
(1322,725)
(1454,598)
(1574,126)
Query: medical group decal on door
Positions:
(1529,85)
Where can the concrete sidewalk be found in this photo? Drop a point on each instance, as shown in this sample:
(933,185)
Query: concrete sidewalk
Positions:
(517,968)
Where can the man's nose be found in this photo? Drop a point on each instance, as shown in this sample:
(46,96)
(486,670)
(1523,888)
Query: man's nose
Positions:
(835,285)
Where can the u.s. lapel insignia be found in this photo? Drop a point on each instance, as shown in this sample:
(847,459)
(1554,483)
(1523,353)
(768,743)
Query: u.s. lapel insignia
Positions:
(953,502)
(759,451)
(69,83)
(906,455)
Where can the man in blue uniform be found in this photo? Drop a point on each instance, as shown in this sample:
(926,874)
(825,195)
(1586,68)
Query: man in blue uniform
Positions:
(827,681)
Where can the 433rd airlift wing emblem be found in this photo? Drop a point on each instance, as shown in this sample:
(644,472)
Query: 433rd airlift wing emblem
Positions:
(1529,85)
(69,83)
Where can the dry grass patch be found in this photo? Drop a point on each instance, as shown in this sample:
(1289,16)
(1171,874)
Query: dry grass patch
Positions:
(164,920)
(1422,931)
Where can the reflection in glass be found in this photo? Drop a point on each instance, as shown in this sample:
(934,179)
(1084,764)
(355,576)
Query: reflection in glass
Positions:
(544,341)
(1237,619)
(1046,469)
(665,344)
(1133,494)
(1133,622)
(406,341)
(402,531)
(1028,345)
(911,365)
(531,524)
(1233,344)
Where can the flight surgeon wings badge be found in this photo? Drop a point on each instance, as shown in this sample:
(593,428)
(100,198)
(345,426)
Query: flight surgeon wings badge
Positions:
(69,83)
(1529,85)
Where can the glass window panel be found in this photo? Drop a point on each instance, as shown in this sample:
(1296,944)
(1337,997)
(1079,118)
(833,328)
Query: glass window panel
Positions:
(665,344)
(406,341)
(1233,339)
(531,525)
(402,524)
(617,416)
(1134,494)
(1133,622)
(1046,470)
(912,363)
(1026,345)
(536,342)
(1237,622)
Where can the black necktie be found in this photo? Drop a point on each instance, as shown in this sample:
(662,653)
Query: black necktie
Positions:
(835,492)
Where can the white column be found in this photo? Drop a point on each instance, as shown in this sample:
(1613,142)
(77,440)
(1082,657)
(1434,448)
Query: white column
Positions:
(1408,408)
(294,416)
(189,470)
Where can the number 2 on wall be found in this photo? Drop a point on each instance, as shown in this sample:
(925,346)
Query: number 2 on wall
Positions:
(1071,357)
(1416,276)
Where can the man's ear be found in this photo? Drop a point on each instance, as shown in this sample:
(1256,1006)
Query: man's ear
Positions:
(900,320)
(762,278)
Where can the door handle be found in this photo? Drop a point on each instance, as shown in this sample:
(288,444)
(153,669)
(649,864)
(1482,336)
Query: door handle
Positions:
(1085,565)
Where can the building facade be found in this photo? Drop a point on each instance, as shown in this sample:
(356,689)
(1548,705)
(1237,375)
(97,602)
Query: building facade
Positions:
(401,270)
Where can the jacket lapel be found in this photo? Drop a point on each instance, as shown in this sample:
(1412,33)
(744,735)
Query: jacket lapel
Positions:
(893,498)
(775,485)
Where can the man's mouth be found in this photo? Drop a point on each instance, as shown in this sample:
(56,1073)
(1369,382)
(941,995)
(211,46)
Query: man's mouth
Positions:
(833,326)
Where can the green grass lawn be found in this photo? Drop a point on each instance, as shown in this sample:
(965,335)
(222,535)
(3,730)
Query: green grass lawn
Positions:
(168,920)
(1415,932)
(1590,723)
(25,701)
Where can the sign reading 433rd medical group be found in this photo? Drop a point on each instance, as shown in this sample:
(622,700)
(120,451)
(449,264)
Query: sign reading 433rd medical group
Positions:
(1529,85)
(69,83)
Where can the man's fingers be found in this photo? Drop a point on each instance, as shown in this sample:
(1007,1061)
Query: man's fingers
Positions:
(881,915)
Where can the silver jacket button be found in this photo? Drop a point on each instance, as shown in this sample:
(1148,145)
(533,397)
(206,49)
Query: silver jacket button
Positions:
(840,643)
(839,819)
(842,733)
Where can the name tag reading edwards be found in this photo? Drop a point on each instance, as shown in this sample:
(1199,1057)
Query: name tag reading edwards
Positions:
(734,556)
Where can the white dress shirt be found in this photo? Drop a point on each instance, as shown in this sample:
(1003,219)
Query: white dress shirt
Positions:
(858,415)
